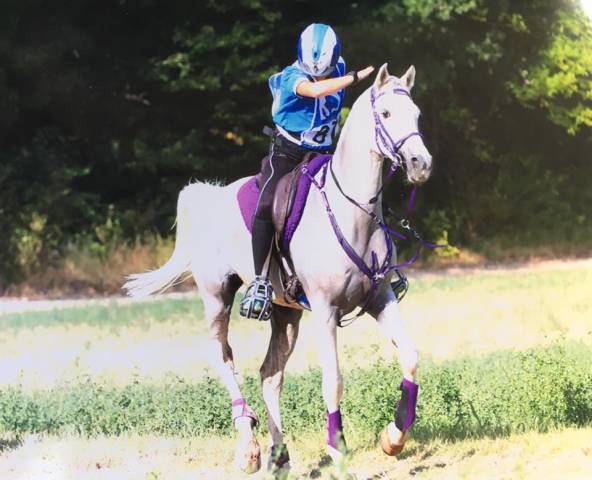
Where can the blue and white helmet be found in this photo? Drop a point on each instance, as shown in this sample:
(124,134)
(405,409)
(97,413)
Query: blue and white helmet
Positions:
(318,50)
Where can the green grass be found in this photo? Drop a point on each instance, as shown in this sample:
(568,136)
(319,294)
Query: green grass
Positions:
(108,316)
(519,280)
(569,281)
(500,394)
(471,313)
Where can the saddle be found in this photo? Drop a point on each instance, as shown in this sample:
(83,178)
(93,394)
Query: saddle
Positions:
(288,205)
(284,202)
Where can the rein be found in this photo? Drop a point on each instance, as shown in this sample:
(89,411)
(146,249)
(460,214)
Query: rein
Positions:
(376,271)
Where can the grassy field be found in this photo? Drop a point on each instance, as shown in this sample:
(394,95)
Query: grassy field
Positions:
(451,315)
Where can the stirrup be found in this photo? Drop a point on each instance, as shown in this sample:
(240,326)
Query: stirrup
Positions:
(257,300)
(303,301)
(400,286)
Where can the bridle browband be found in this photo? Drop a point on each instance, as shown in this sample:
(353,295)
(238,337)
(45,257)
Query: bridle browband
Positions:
(376,271)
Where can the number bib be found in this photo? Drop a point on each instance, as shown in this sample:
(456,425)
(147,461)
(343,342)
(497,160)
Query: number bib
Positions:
(322,134)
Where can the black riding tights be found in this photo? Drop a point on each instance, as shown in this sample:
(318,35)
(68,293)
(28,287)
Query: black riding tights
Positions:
(283,158)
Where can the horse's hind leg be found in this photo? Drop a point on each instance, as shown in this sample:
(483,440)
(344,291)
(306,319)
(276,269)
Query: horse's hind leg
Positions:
(284,332)
(217,297)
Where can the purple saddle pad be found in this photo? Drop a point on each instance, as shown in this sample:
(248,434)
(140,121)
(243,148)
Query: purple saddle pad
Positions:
(248,195)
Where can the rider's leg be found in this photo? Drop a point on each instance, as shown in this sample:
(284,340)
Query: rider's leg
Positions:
(282,159)
(257,300)
(263,229)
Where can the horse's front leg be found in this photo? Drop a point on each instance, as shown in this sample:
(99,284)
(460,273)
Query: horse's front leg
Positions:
(387,313)
(284,332)
(326,318)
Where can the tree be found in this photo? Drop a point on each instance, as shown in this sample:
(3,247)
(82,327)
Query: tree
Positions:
(109,108)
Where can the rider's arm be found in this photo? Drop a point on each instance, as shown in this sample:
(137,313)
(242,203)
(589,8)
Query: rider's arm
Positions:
(328,86)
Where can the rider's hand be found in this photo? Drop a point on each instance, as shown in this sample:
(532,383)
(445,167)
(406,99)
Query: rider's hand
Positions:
(362,74)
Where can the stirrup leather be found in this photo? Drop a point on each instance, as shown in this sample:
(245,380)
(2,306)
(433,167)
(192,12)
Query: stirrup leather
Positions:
(257,300)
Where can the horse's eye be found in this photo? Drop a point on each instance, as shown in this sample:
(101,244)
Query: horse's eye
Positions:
(385,114)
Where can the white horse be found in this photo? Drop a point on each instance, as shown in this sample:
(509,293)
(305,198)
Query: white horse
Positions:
(214,245)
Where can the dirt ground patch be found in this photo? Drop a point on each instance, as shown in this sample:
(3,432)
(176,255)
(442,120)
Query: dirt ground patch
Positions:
(566,454)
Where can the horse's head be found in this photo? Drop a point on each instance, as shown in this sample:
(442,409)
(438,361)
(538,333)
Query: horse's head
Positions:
(395,121)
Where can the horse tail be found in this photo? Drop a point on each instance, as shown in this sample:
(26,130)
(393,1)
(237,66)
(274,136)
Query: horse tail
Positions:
(157,281)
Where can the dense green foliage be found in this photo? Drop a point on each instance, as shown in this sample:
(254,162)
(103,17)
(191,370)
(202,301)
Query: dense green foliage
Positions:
(506,392)
(109,108)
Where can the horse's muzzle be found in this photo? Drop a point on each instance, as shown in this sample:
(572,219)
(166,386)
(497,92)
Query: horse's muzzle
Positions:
(419,169)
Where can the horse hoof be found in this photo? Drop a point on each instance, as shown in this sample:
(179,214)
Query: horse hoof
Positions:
(279,473)
(392,440)
(335,454)
(248,458)
(279,460)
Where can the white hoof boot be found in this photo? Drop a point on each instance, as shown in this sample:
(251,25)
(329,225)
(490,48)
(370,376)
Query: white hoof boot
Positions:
(248,455)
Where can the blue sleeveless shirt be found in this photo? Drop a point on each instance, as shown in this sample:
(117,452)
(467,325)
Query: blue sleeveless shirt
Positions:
(307,121)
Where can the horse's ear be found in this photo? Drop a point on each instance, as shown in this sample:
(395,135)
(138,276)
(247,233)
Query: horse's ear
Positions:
(382,76)
(409,78)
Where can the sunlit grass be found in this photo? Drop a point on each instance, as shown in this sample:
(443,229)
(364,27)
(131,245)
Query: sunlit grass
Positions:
(448,315)
(111,316)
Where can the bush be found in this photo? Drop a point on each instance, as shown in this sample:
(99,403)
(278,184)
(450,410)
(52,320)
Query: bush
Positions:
(91,264)
(502,393)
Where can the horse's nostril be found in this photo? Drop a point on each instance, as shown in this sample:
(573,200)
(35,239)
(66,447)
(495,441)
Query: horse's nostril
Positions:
(414,160)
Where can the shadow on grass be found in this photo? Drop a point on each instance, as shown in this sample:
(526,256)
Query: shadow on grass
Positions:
(7,444)
(316,470)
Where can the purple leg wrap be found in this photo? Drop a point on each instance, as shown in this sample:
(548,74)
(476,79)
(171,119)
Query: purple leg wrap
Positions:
(405,414)
(241,409)
(334,429)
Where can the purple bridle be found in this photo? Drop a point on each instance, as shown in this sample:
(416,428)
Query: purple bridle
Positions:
(376,271)
(385,143)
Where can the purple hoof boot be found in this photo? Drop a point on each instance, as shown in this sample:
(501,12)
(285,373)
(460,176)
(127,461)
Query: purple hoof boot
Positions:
(279,457)
(335,437)
(405,415)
